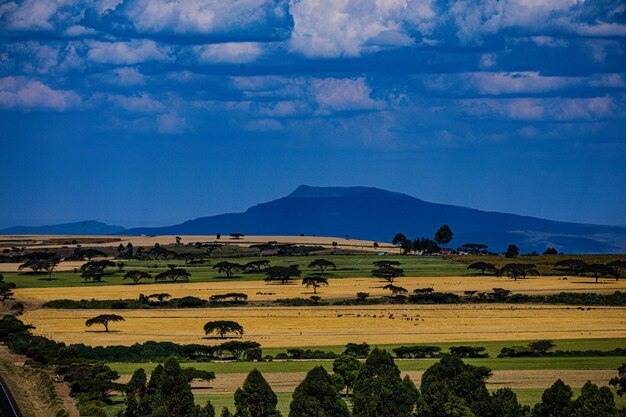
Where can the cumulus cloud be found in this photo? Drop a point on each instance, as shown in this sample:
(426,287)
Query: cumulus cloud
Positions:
(171,123)
(214,19)
(233,52)
(126,53)
(141,103)
(339,95)
(21,93)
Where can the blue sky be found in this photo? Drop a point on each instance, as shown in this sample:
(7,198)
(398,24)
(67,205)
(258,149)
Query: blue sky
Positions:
(140,112)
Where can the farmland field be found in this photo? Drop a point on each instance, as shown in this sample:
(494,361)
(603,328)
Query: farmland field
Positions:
(311,326)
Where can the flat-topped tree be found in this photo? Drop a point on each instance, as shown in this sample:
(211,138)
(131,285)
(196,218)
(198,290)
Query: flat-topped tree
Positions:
(572,266)
(315,282)
(517,271)
(395,290)
(223,327)
(597,270)
(236,235)
(482,267)
(225,267)
(380,264)
(388,273)
(257,265)
(137,276)
(161,297)
(617,268)
(104,319)
(322,265)
(282,274)
(95,270)
(174,274)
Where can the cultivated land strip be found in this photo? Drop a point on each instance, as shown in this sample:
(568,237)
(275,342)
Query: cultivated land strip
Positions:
(315,326)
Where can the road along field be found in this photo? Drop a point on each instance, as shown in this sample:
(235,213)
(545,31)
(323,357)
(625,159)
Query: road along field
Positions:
(337,288)
(316,326)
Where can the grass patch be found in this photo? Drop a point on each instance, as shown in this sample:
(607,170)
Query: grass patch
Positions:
(348,266)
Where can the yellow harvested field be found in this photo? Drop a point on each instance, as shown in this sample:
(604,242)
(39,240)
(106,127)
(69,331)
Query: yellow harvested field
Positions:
(338,288)
(170,240)
(63,266)
(319,326)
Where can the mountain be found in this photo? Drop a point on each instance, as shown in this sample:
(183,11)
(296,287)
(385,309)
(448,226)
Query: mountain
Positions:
(371,213)
(90,227)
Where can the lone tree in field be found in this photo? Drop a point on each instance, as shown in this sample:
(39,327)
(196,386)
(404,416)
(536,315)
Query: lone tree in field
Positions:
(223,327)
(228,268)
(50,265)
(386,271)
(322,265)
(520,270)
(104,320)
(315,282)
(173,274)
(482,267)
(597,270)
(137,276)
(395,290)
(444,235)
(283,274)
(616,268)
(572,266)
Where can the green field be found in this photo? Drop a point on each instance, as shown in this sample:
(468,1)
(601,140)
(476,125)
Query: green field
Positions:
(348,266)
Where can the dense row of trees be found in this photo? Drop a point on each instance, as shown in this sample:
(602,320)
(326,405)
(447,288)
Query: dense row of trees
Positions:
(449,388)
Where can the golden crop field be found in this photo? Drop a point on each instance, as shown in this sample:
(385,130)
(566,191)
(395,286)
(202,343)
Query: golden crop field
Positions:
(318,326)
(338,288)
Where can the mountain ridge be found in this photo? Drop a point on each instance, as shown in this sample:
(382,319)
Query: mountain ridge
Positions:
(377,214)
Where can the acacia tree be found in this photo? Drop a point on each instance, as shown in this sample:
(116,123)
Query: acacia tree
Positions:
(572,266)
(225,267)
(174,274)
(387,272)
(137,276)
(283,274)
(395,290)
(482,267)
(520,270)
(597,270)
(223,327)
(257,265)
(315,282)
(444,235)
(104,319)
(161,297)
(94,270)
(50,265)
(616,268)
(322,265)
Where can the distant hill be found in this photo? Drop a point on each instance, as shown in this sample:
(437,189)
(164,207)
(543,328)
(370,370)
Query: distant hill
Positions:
(371,213)
(90,227)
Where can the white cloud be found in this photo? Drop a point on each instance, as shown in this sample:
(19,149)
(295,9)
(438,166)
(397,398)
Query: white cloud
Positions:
(234,52)
(539,109)
(25,94)
(345,27)
(171,123)
(338,95)
(126,53)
